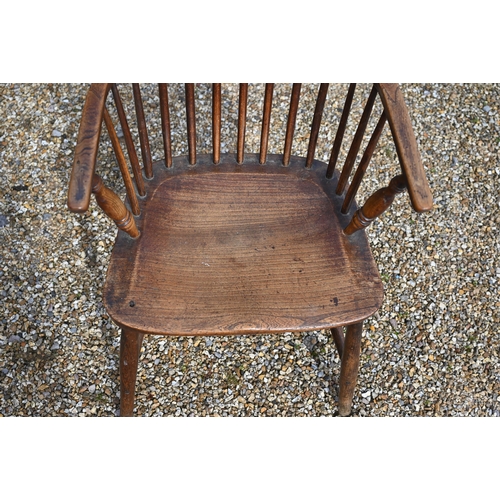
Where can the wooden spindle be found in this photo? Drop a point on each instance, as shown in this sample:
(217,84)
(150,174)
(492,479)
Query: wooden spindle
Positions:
(113,207)
(132,154)
(318,113)
(165,123)
(376,205)
(356,143)
(143,132)
(363,165)
(266,121)
(290,125)
(338,338)
(242,122)
(191,122)
(216,120)
(339,136)
(120,158)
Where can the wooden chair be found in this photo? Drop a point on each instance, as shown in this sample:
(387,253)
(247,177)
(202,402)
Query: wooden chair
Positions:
(240,243)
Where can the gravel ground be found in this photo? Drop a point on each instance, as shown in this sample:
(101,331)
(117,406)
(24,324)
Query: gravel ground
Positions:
(432,349)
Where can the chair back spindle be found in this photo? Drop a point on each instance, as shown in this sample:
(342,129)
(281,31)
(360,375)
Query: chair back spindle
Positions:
(363,165)
(356,143)
(242,121)
(132,153)
(120,158)
(318,113)
(266,121)
(143,132)
(191,122)
(339,136)
(290,125)
(394,111)
(216,121)
(165,123)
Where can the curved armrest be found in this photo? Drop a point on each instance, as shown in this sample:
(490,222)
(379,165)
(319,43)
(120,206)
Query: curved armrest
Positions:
(80,184)
(406,146)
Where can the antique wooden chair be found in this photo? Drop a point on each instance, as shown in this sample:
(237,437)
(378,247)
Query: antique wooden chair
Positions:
(232,244)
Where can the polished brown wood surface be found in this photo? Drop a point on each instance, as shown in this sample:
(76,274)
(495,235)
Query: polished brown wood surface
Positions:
(356,143)
(349,367)
(266,122)
(130,351)
(363,165)
(165,123)
(216,120)
(226,244)
(232,250)
(318,113)
(122,163)
(113,207)
(242,122)
(406,146)
(339,136)
(132,153)
(191,122)
(290,125)
(376,205)
(143,131)
(80,184)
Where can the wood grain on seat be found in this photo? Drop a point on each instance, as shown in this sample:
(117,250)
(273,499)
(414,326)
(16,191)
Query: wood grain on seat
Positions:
(232,249)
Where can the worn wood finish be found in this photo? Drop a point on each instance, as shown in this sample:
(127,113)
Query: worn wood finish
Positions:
(132,154)
(376,205)
(165,123)
(363,165)
(318,113)
(338,338)
(356,143)
(266,122)
(290,124)
(113,207)
(143,131)
(130,351)
(232,253)
(243,247)
(349,368)
(242,122)
(122,163)
(191,122)
(406,146)
(216,120)
(80,184)
(339,136)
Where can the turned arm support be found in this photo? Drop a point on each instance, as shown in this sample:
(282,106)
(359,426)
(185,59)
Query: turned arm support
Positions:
(114,207)
(80,184)
(376,205)
(406,145)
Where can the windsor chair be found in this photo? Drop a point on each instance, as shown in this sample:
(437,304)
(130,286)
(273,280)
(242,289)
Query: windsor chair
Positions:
(242,243)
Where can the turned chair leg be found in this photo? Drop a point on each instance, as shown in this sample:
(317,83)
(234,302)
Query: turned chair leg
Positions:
(130,349)
(349,367)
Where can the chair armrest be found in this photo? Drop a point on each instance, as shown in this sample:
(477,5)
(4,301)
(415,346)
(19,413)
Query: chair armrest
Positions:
(80,184)
(406,146)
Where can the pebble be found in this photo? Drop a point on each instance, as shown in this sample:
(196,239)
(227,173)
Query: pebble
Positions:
(443,361)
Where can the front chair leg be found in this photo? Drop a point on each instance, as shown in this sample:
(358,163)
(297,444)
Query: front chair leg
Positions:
(349,367)
(130,349)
